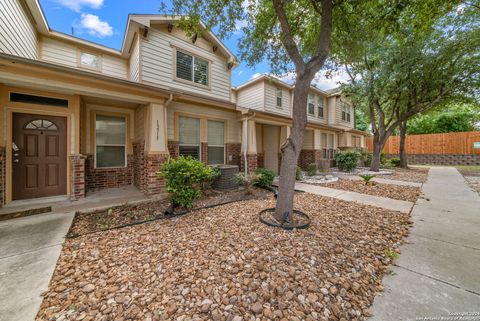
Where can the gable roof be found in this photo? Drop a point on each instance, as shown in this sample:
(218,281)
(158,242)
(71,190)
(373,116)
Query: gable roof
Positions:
(264,77)
(134,21)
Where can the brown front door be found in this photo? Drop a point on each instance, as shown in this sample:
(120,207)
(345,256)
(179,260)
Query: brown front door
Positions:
(39,152)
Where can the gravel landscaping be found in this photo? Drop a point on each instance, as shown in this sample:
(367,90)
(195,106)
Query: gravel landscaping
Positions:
(403,193)
(117,216)
(471,175)
(418,175)
(221,263)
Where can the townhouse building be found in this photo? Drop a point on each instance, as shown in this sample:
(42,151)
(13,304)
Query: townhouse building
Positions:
(77,117)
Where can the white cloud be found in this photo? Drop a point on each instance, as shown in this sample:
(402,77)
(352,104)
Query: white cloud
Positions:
(255,75)
(323,80)
(77,5)
(94,26)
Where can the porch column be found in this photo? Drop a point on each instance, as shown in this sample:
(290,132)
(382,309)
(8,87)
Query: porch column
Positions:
(76,166)
(249,146)
(155,152)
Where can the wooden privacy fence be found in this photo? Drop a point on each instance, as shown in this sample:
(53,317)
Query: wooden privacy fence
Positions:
(465,143)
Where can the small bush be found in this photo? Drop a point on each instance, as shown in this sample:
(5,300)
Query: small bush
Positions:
(387,164)
(298,174)
(367,179)
(347,160)
(395,161)
(266,177)
(185,178)
(312,169)
(247,181)
(367,158)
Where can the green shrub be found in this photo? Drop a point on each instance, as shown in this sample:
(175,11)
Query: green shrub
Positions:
(367,178)
(387,163)
(395,161)
(247,181)
(367,158)
(312,169)
(347,160)
(298,173)
(266,177)
(185,178)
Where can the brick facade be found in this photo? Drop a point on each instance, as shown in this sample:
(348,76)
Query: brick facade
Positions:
(145,169)
(173,148)
(252,162)
(2,175)
(204,152)
(77,177)
(261,160)
(233,153)
(100,178)
(442,159)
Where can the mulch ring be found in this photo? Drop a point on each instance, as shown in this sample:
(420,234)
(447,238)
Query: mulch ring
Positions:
(403,193)
(222,263)
(417,175)
(128,214)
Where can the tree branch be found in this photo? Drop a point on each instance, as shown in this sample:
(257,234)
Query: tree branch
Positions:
(287,36)
(324,37)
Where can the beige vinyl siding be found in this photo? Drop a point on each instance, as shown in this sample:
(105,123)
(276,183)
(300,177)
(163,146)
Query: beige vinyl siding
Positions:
(114,66)
(134,62)
(17,34)
(252,96)
(271,100)
(58,52)
(308,143)
(64,53)
(233,126)
(158,67)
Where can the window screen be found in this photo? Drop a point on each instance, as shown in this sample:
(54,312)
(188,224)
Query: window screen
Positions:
(216,147)
(189,137)
(279,97)
(324,146)
(110,141)
(320,107)
(331,143)
(89,60)
(192,68)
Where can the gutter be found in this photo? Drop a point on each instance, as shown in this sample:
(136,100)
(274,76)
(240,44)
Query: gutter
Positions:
(73,71)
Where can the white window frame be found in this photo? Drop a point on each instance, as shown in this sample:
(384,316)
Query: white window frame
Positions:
(279,95)
(79,60)
(320,103)
(112,145)
(312,102)
(347,110)
(223,146)
(192,81)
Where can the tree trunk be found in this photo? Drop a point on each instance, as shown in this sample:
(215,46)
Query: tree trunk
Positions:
(378,144)
(402,151)
(291,150)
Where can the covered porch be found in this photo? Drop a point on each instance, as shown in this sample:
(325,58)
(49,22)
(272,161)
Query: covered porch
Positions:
(71,134)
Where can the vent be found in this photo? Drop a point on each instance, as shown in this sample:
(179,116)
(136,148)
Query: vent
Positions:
(39,100)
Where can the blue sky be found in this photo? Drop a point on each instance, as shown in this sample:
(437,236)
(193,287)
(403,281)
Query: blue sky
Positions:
(104,21)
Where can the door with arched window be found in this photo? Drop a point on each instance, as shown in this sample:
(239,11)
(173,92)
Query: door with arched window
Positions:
(39,156)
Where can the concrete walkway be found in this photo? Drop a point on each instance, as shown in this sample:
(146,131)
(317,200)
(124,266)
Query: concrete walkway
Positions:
(438,272)
(30,247)
(388,203)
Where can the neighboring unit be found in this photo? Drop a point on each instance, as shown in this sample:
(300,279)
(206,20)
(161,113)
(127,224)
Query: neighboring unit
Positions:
(77,117)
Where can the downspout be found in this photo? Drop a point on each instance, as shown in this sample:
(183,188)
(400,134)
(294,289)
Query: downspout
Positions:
(170,98)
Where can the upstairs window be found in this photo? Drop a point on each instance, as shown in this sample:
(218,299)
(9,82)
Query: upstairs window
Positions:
(279,97)
(189,137)
(192,68)
(345,111)
(110,141)
(89,60)
(311,104)
(320,107)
